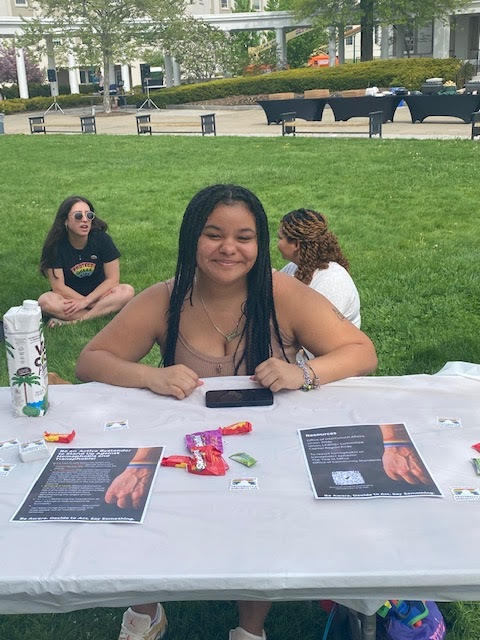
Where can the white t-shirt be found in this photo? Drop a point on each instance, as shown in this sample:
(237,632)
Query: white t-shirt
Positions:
(336,284)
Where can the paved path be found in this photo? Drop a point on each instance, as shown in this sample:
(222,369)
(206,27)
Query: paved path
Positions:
(243,121)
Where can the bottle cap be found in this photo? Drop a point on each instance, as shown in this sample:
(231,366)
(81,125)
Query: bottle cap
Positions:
(30,304)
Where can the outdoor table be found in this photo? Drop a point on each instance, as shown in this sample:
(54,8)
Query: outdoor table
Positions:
(456,106)
(202,541)
(304,108)
(361,107)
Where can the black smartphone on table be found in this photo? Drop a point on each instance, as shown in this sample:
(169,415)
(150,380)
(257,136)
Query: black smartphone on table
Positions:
(239,398)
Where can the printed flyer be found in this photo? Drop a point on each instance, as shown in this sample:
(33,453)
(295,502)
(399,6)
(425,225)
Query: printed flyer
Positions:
(93,485)
(365,461)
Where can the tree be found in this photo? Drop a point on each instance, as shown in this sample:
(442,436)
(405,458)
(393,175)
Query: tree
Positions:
(100,32)
(367,13)
(201,50)
(8,67)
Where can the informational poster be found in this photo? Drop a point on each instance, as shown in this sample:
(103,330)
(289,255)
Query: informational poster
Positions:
(365,461)
(93,485)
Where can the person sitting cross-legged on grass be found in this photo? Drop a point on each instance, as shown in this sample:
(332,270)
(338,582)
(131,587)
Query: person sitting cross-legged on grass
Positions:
(224,313)
(82,265)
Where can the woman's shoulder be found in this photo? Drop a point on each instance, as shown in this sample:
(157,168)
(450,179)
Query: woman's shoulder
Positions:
(284,284)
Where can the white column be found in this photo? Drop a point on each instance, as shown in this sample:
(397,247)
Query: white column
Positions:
(168,70)
(126,77)
(176,73)
(332,47)
(384,43)
(21,73)
(281,48)
(441,39)
(73,74)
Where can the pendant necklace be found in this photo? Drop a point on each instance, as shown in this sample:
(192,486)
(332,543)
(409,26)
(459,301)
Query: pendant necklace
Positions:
(230,335)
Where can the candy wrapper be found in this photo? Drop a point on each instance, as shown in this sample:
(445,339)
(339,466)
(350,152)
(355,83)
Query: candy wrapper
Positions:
(59,437)
(207,461)
(476,465)
(243,458)
(175,461)
(201,439)
(236,428)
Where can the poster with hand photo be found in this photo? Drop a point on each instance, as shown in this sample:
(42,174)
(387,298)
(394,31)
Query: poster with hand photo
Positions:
(365,461)
(93,485)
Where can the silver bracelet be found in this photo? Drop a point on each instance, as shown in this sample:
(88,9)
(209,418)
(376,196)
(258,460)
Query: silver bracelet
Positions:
(310,382)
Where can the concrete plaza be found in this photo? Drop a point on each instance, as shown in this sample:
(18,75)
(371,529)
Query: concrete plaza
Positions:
(249,121)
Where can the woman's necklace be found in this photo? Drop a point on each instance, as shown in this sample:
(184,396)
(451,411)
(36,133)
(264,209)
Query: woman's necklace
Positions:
(230,335)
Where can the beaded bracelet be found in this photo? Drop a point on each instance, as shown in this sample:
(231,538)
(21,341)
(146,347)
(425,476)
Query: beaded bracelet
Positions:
(310,382)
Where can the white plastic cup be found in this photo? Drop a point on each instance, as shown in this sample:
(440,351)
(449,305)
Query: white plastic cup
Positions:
(26,359)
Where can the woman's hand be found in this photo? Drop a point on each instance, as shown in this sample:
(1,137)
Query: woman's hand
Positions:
(177,380)
(277,374)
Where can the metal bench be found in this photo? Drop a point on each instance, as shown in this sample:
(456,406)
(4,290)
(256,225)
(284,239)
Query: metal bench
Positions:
(38,125)
(375,120)
(288,123)
(475,125)
(145,125)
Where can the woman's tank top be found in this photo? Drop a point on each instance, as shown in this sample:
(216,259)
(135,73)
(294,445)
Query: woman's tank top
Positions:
(207,366)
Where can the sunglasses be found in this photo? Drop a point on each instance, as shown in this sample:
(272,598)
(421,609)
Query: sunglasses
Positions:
(78,215)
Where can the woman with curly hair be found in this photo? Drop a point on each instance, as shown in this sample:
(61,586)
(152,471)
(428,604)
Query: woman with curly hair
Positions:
(82,264)
(317,260)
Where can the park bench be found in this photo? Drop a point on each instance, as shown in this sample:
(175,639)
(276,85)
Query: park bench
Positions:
(475,125)
(38,125)
(145,126)
(375,120)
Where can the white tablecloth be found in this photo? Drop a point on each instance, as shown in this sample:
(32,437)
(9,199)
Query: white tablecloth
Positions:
(201,541)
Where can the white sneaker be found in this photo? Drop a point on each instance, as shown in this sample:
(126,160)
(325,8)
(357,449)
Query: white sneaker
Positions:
(138,626)
(241,634)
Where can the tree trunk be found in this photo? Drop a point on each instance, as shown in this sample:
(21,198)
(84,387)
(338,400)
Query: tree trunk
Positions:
(107,107)
(366,24)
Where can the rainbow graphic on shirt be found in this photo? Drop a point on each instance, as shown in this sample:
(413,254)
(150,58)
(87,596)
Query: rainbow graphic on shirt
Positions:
(83,269)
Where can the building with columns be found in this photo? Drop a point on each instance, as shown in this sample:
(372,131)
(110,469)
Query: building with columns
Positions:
(459,37)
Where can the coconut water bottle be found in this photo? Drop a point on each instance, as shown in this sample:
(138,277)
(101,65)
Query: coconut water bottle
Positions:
(26,359)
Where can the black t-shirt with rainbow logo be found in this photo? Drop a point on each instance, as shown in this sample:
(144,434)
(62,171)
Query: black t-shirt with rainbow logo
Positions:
(83,268)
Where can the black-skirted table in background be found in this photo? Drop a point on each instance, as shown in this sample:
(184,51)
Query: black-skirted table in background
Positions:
(361,107)
(304,108)
(456,106)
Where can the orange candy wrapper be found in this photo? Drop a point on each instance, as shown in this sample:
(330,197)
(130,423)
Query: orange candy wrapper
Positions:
(236,428)
(59,437)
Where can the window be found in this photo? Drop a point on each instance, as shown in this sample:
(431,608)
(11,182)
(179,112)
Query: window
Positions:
(20,3)
(223,4)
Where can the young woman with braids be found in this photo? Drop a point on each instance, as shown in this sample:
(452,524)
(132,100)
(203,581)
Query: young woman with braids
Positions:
(317,260)
(224,313)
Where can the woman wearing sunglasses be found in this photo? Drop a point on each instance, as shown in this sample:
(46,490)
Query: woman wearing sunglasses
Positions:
(82,264)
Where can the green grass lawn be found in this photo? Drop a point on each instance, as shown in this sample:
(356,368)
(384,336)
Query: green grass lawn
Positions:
(405,213)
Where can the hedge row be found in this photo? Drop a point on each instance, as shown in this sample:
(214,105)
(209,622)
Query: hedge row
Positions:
(410,73)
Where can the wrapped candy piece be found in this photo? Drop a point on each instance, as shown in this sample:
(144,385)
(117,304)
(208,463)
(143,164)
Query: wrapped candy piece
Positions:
(207,461)
(237,427)
(204,439)
(175,461)
(59,437)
